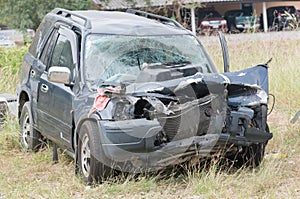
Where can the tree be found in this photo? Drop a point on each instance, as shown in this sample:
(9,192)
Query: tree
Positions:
(22,14)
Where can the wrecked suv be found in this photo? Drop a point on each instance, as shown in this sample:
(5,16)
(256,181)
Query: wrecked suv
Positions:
(136,92)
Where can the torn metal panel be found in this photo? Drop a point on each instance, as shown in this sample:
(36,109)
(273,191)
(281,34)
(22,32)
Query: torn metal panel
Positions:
(256,76)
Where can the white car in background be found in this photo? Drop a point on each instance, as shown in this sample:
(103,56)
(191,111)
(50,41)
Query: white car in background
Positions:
(6,42)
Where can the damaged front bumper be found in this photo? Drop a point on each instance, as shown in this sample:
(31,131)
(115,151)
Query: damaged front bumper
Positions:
(135,142)
(195,116)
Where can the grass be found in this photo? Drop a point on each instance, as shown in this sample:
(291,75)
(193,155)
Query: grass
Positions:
(33,175)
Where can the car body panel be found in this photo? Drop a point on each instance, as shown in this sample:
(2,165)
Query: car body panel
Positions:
(142,139)
(209,21)
(171,112)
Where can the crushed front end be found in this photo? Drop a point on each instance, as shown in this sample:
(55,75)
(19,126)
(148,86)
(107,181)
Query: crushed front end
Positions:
(152,125)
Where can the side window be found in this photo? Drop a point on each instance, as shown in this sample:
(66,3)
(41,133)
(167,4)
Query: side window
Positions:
(61,50)
(62,53)
(46,53)
(40,34)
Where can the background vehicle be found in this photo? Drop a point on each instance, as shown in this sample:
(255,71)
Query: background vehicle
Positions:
(239,20)
(282,17)
(6,42)
(210,21)
(131,97)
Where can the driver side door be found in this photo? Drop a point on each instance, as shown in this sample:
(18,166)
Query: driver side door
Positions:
(55,100)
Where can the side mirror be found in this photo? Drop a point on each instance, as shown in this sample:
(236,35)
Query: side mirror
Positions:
(224,51)
(59,74)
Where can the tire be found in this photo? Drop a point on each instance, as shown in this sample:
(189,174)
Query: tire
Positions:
(91,159)
(29,137)
(251,156)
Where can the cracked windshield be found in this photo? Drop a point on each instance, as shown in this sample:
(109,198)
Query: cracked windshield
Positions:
(119,58)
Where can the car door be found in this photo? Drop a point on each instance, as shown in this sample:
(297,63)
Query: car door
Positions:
(55,99)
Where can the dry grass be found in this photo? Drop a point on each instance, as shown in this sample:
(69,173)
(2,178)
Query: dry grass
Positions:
(33,175)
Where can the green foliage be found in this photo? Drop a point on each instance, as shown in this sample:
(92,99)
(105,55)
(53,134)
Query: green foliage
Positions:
(10,63)
(22,14)
(9,135)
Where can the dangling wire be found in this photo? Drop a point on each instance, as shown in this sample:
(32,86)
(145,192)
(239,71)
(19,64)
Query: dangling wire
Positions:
(273,96)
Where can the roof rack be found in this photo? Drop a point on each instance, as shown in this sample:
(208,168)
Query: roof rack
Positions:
(68,13)
(162,19)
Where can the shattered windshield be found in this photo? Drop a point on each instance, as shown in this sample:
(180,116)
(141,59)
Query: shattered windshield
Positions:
(120,58)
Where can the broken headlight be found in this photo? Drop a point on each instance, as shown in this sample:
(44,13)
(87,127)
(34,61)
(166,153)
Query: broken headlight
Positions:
(123,110)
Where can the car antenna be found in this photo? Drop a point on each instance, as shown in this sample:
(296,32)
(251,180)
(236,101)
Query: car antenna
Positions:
(268,61)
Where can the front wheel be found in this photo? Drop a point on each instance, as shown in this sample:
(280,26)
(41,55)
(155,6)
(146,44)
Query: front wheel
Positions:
(251,156)
(29,137)
(91,158)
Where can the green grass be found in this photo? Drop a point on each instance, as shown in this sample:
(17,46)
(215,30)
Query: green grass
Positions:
(10,62)
(33,175)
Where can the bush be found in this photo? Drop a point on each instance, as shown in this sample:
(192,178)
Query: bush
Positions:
(10,63)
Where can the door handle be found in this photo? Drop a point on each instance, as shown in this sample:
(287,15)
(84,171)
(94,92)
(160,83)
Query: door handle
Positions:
(44,88)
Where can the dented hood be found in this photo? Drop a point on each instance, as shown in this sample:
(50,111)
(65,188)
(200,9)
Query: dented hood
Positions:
(255,78)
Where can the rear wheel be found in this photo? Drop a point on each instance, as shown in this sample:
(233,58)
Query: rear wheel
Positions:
(91,159)
(29,137)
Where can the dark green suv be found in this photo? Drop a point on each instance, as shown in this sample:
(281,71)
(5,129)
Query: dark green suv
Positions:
(136,92)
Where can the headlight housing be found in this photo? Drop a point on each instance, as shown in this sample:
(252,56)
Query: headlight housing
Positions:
(123,110)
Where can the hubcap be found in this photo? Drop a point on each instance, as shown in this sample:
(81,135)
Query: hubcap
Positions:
(85,156)
(26,129)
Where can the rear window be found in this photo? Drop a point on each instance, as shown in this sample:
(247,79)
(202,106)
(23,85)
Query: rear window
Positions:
(39,36)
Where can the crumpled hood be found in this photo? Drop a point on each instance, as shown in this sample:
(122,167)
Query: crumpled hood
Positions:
(255,78)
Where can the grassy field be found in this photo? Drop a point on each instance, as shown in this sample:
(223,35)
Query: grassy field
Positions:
(33,175)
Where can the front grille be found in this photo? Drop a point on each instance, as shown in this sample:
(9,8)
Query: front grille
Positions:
(186,123)
(171,126)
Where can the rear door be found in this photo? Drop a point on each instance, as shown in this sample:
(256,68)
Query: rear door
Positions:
(55,99)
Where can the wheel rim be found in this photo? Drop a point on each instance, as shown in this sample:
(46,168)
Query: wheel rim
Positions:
(26,131)
(85,156)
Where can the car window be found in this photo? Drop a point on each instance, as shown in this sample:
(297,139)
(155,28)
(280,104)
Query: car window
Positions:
(46,53)
(40,34)
(62,53)
(109,57)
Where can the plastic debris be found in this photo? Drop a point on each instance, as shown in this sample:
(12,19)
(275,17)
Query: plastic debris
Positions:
(278,155)
(296,117)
